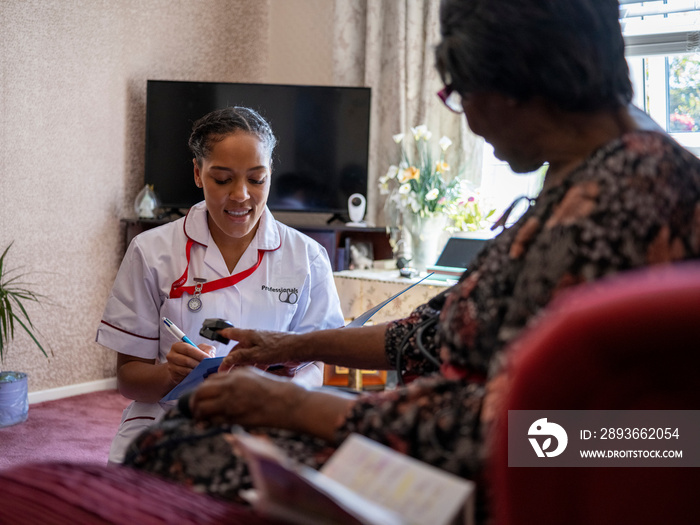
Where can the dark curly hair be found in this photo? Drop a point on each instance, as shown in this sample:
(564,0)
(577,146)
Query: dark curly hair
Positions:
(215,126)
(570,52)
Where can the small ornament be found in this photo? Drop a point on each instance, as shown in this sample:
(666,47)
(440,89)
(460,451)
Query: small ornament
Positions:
(146,203)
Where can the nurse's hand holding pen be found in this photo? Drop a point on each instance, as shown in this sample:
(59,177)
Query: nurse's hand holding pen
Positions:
(147,381)
(184,355)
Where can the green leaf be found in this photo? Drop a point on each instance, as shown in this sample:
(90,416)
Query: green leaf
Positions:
(31,335)
(2,260)
(13,292)
(6,317)
(21,307)
(8,328)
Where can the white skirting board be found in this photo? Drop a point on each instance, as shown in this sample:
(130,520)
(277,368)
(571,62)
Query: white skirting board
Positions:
(72,390)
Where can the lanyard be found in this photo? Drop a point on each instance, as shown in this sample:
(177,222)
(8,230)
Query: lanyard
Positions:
(177,288)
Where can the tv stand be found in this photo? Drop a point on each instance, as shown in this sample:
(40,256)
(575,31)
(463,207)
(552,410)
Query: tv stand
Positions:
(338,239)
(173,213)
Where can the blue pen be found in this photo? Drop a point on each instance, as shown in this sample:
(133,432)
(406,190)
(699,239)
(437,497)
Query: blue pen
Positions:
(177,332)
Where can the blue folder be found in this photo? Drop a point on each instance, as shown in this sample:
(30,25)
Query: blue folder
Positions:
(206,367)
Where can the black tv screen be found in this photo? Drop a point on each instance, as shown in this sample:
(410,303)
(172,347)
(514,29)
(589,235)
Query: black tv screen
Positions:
(322,132)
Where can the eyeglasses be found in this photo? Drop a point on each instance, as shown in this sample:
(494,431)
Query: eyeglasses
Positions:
(451,98)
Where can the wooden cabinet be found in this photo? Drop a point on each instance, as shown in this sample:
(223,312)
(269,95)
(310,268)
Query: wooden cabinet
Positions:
(335,239)
(136,226)
(338,239)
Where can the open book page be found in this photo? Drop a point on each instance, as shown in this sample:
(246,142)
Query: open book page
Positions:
(299,494)
(364,482)
(418,492)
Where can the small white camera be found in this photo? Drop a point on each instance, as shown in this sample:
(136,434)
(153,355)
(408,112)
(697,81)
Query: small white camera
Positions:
(357,204)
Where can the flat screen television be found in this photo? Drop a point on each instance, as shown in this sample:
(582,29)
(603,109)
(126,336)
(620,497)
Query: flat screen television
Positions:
(322,140)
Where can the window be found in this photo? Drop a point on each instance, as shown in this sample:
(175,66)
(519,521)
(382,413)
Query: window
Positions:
(662,40)
(500,186)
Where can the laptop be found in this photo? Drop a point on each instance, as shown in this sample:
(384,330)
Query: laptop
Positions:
(455,258)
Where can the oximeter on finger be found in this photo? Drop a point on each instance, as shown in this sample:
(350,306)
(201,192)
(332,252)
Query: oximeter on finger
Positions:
(210,328)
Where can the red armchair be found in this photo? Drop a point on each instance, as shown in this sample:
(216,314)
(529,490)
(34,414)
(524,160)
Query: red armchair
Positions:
(631,343)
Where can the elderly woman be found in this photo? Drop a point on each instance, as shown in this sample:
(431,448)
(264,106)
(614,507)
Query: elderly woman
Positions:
(543,82)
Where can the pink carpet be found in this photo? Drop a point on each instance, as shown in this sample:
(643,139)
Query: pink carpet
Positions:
(76,429)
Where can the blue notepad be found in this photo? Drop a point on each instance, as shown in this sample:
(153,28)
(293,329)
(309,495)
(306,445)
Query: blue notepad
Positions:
(206,367)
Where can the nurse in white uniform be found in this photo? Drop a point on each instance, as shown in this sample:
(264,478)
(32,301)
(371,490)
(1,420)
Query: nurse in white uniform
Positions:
(228,258)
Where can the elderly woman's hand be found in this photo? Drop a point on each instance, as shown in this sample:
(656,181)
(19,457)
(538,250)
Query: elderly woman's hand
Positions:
(252,398)
(247,396)
(259,348)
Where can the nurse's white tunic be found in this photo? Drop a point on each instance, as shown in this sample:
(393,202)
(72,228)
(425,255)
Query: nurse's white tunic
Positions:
(291,290)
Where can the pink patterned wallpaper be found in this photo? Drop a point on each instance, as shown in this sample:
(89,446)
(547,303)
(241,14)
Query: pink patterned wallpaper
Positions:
(72,101)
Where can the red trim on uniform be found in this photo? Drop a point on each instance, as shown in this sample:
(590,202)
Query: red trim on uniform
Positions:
(139,417)
(184,228)
(280,244)
(130,333)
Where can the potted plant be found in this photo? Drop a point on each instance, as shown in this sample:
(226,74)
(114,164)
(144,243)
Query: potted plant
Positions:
(14,294)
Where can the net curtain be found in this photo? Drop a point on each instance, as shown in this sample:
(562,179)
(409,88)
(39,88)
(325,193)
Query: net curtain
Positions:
(388,45)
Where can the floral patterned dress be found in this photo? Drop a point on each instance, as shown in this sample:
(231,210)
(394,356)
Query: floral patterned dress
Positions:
(635,202)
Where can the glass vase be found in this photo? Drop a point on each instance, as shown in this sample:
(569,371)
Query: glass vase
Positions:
(393,219)
(427,235)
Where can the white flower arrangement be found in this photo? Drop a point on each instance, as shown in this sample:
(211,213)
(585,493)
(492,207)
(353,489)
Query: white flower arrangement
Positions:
(419,183)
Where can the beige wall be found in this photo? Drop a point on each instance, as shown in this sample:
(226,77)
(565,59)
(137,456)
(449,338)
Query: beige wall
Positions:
(72,101)
(301,42)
